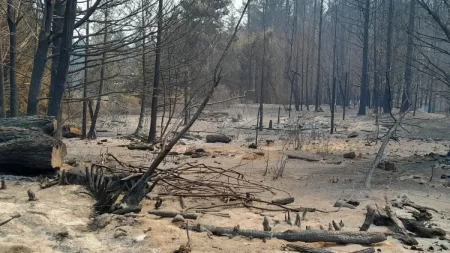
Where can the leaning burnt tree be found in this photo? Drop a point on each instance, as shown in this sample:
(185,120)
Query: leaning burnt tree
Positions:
(131,200)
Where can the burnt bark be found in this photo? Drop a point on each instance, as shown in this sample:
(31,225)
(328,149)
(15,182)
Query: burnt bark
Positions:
(60,79)
(29,151)
(144,75)
(44,123)
(12,25)
(85,84)
(387,97)
(2,82)
(92,133)
(40,59)
(154,112)
(365,61)
(319,52)
(407,99)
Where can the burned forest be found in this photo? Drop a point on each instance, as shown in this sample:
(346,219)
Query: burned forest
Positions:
(224,126)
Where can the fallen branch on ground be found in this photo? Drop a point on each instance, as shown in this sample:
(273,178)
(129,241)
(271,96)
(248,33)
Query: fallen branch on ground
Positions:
(167,214)
(14,216)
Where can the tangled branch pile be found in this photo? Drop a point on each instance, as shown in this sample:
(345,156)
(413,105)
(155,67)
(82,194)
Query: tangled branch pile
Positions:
(196,180)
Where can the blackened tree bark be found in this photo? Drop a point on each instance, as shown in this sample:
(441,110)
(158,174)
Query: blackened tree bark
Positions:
(58,23)
(40,59)
(310,55)
(376,75)
(2,81)
(365,60)
(85,82)
(333,88)
(406,99)
(319,52)
(154,112)
(387,97)
(261,97)
(57,93)
(12,24)
(92,133)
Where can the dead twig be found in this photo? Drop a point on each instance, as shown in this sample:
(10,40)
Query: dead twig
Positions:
(14,216)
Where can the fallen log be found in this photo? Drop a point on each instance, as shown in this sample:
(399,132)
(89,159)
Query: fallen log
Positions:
(368,250)
(398,224)
(420,230)
(283,201)
(342,203)
(140,146)
(213,138)
(167,214)
(46,124)
(305,249)
(302,155)
(29,150)
(293,236)
(406,202)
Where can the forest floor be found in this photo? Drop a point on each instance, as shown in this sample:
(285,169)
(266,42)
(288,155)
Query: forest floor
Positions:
(58,220)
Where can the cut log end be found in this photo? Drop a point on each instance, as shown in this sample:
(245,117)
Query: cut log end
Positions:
(58,154)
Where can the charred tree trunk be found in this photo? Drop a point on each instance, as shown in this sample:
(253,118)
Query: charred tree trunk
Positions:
(261,96)
(376,90)
(40,59)
(12,24)
(144,75)
(29,150)
(2,81)
(58,23)
(407,99)
(387,97)
(333,88)
(319,52)
(92,133)
(154,113)
(60,78)
(365,61)
(86,65)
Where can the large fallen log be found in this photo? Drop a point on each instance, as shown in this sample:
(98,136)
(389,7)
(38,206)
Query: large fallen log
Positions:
(29,151)
(297,236)
(46,124)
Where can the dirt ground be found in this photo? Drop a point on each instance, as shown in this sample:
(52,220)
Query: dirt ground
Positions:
(59,220)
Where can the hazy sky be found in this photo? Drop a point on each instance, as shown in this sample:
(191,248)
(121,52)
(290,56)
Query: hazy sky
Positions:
(237,3)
